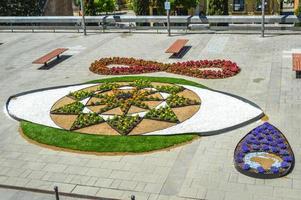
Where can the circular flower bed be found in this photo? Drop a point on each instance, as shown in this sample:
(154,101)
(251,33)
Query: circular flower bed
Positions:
(208,69)
(127,108)
(264,153)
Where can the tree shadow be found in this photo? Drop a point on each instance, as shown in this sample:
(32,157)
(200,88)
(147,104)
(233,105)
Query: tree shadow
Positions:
(54,62)
(181,54)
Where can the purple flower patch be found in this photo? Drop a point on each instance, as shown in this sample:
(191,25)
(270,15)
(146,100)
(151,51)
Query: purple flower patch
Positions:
(282,146)
(246,167)
(260,170)
(263,142)
(275,170)
(245,148)
(266,148)
(288,158)
(284,164)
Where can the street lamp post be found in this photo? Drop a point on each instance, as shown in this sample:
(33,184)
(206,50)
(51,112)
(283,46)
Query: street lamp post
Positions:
(263,17)
(83,15)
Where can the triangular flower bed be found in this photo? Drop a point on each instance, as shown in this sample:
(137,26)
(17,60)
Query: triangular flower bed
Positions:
(162,114)
(264,153)
(86,119)
(80,95)
(73,108)
(175,101)
(124,124)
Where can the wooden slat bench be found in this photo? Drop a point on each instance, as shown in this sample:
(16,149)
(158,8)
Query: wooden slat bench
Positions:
(55,53)
(297,64)
(177,46)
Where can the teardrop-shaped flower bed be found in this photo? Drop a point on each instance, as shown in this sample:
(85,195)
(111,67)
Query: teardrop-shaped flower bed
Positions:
(264,153)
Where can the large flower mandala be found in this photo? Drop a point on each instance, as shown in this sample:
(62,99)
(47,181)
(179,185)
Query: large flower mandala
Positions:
(127,108)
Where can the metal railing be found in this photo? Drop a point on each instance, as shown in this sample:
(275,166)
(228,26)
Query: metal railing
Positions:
(147,22)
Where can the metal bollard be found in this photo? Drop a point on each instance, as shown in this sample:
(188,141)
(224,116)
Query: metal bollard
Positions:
(56,190)
(133,197)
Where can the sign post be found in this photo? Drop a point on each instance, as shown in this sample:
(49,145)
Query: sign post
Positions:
(83,15)
(167,8)
(263,17)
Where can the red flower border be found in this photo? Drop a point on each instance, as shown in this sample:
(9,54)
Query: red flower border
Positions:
(207,69)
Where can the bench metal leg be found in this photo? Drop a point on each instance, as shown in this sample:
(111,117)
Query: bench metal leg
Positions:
(298,74)
(58,56)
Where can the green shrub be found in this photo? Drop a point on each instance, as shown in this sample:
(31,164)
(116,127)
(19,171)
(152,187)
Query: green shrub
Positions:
(298,14)
(20,8)
(217,7)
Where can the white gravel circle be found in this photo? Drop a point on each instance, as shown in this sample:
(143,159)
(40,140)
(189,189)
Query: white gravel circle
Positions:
(35,107)
(218,111)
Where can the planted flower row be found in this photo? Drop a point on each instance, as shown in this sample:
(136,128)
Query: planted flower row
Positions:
(208,69)
(130,66)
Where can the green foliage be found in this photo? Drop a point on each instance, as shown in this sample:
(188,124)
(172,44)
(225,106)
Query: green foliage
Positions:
(217,7)
(140,104)
(170,89)
(20,8)
(187,4)
(140,84)
(298,14)
(76,2)
(298,11)
(163,114)
(140,7)
(95,7)
(97,143)
(80,95)
(86,119)
(108,86)
(105,5)
(124,124)
(177,101)
(152,79)
(110,106)
(150,98)
(73,108)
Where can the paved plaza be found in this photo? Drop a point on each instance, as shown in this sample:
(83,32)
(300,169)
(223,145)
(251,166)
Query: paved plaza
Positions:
(203,169)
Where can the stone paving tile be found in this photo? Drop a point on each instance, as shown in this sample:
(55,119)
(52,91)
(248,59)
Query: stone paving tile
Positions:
(54,167)
(115,184)
(153,188)
(127,185)
(76,170)
(124,175)
(214,195)
(110,193)
(85,190)
(103,182)
(55,177)
(36,174)
(99,172)
(80,180)
(14,181)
